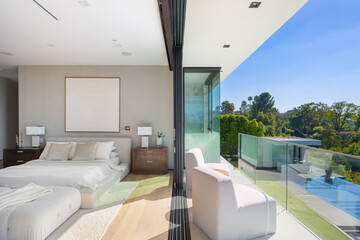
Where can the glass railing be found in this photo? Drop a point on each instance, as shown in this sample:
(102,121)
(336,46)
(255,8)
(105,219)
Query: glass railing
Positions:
(318,187)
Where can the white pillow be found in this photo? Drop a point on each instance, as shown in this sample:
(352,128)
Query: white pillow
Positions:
(113,148)
(103,150)
(46,150)
(115,160)
(59,152)
(113,154)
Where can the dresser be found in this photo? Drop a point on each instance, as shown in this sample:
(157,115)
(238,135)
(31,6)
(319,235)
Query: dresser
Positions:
(16,156)
(149,160)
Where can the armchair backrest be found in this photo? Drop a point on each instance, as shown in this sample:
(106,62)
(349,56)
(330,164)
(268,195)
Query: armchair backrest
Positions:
(194,157)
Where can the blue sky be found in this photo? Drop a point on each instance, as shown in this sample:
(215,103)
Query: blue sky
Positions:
(314,57)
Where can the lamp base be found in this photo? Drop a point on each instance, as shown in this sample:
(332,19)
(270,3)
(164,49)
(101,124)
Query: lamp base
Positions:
(35,141)
(144,142)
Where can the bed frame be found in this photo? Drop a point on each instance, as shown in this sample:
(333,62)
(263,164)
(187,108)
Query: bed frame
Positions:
(89,197)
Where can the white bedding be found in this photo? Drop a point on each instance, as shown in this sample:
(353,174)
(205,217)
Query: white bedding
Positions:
(79,174)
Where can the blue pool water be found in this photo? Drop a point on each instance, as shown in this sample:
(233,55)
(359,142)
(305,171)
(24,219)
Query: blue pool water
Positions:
(340,193)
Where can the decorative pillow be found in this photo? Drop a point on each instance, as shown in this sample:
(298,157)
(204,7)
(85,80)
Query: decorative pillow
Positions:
(113,154)
(103,150)
(46,150)
(85,152)
(59,151)
(115,160)
(113,148)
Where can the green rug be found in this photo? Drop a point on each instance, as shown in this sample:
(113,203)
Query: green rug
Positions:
(147,186)
(117,193)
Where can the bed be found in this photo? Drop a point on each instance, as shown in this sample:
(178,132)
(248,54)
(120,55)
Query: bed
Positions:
(92,178)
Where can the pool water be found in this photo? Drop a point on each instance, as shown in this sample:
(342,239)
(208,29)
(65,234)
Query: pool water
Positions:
(340,193)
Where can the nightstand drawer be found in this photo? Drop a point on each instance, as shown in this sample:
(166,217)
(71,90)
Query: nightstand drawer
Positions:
(17,156)
(152,160)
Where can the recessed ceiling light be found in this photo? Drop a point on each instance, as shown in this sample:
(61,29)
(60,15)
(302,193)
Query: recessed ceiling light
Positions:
(6,53)
(226,46)
(254,4)
(126,53)
(114,40)
(118,45)
(50,45)
(84,3)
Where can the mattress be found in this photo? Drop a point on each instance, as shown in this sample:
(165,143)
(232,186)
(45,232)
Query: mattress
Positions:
(39,218)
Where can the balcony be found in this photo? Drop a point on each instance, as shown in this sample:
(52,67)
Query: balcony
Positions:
(317,187)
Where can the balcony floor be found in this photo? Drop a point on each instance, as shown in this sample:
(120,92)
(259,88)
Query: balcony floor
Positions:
(287,226)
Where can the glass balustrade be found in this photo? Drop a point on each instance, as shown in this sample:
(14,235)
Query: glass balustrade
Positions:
(318,187)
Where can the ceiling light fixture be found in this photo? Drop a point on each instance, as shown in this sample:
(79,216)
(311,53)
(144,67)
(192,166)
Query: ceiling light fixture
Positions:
(50,45)
(118,45)
(114,40)
(6,53)
(84,3)
(226,46)
(126,53)
(254,4)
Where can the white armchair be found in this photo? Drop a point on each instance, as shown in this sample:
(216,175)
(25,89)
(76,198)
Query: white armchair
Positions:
(195,158)
(224,211)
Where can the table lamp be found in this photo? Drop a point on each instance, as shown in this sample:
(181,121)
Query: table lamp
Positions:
(144,132)
(35,132)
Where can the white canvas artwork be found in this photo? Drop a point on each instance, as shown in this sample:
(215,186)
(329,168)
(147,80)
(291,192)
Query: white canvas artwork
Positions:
(92,104)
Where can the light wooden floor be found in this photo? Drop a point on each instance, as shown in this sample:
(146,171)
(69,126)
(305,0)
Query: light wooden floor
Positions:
(146,213)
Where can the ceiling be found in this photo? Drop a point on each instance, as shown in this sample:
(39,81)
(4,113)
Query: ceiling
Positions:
(82,35)
(102,33)
(210,24)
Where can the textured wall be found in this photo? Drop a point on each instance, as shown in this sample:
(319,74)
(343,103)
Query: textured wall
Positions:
(8,113)
(146,99)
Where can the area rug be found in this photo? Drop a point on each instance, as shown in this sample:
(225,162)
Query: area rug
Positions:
(91,224)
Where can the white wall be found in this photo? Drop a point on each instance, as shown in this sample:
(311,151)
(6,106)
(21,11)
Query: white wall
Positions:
(146,99)
(8,113)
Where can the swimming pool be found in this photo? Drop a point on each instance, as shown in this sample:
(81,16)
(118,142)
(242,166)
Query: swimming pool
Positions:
(340,193)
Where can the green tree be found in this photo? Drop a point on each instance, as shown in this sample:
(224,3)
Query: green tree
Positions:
(341,112)
(262,103)
(243,108)
(227,107)
(269,131)
(250,99)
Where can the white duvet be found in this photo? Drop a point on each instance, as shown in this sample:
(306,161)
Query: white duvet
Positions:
(77,174)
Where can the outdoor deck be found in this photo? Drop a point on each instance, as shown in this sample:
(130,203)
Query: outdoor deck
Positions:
(287,226)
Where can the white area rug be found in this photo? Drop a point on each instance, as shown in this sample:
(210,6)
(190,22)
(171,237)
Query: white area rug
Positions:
(86,224)
(91,224)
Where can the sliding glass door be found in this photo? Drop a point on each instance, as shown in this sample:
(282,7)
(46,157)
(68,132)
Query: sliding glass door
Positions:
(202,111)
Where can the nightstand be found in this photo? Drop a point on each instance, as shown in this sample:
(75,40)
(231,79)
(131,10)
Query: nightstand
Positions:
(16,156)
(149,160)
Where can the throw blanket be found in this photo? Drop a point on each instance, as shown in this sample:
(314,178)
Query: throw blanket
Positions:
(22,195)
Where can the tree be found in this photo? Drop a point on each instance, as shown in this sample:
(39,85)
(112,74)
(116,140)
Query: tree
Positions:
(357,121)
(342,112)
(262,103)
(244,107)
(250,99)
(227,107)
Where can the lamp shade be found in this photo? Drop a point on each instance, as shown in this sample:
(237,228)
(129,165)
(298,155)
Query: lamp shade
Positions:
(144,131)
(33,130)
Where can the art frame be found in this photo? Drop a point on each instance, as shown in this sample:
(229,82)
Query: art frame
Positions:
(92,104)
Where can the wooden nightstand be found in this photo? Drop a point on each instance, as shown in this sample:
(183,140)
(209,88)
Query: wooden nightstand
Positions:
(150,160)
(16,156)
